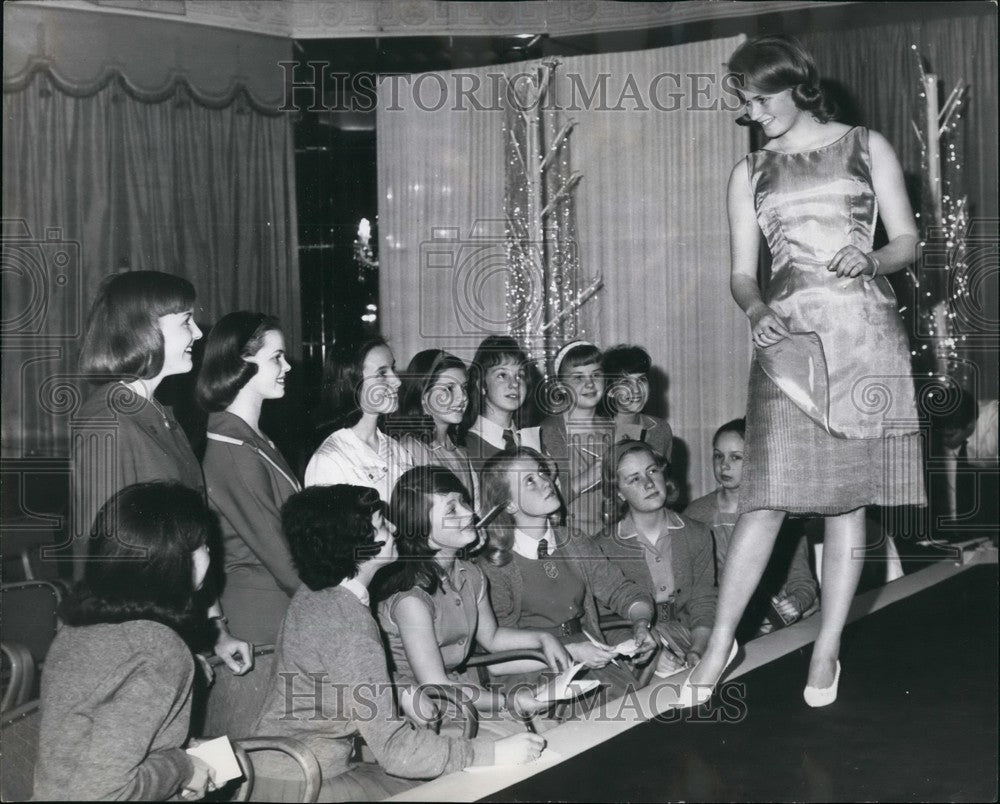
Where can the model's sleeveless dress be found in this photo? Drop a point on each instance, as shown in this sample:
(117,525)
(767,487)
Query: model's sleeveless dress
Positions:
(865,448)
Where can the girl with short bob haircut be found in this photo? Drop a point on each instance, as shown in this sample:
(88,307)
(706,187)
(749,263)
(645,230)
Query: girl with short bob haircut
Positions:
(141,330)
(435,608)
(499,384)
(339,539)
(432,402)
(544,577)
(576,436)
(116,692)
(360,387)
(248,479)
(626,377)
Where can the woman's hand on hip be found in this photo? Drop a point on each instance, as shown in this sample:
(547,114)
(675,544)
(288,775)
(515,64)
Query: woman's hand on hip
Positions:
(766,327)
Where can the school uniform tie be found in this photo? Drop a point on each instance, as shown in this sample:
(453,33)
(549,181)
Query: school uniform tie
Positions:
(543,548)
(509,442)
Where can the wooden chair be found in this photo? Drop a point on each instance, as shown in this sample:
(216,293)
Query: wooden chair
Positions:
(18,675)
(19,736)
(31,615)
(481,661)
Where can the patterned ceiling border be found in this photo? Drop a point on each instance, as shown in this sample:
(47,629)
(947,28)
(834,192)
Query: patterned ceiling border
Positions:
(333,19)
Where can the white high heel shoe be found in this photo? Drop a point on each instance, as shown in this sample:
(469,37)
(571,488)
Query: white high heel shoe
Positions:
(691,695)
(823,696)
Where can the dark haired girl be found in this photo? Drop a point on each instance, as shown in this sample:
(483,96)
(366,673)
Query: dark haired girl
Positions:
(849,438)
(436,608)
(432,402)
(116,692)
(248,479)
(361,386)
(141,330)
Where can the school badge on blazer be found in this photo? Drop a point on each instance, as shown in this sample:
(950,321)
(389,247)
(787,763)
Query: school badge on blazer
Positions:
(551,569)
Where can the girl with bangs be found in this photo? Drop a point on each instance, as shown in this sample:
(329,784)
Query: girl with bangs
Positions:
(435,608)
(498,388)
(140,330)
(578,437)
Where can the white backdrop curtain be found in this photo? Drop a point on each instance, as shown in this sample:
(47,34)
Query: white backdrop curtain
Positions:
(650,218)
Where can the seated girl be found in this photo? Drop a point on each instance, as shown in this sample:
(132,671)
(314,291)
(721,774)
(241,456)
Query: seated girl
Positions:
(247,478)
(626,377)
(577,438)
(498,388)
(432,402)
(435,607)
(116,691)
(331,682)
(548,579)
(663,552)
(360,386)
(788,590)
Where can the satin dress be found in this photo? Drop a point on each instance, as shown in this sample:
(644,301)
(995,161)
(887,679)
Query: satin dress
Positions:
(850,439)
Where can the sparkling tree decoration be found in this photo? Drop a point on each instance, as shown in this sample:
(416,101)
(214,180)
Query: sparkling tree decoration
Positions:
(943,285)
(545,287)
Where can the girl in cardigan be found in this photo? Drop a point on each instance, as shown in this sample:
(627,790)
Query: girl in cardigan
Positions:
(331,682)
(545,578)
(667,554)
(435,607)
(248,479)
(140,331)
(116,692)
(432,402)
(578,437)
(361,386)
(498,388)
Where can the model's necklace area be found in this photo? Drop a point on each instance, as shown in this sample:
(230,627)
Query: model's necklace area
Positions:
(167,422)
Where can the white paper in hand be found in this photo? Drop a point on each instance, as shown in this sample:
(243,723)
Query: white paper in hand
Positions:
(564,688)
(218,754)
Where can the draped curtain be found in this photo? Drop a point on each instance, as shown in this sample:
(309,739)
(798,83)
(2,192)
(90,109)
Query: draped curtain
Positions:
(100,177)
(650,214)
(876,68)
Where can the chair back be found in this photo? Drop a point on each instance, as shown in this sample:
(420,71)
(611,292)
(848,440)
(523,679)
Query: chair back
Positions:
(19,737)
(17,675)
(30,615)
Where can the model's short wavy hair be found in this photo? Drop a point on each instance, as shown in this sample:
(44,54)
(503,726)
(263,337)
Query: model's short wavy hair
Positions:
(224,371)
(140,565)
(330,532)
(123,336)
(776,63)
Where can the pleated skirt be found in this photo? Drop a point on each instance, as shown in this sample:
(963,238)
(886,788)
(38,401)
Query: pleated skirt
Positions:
(792,464)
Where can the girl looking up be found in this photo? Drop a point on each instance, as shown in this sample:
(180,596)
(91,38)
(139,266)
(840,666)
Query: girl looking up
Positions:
(248,479)
(361,386)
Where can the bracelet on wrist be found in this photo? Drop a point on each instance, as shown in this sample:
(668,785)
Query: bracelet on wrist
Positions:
(875,266)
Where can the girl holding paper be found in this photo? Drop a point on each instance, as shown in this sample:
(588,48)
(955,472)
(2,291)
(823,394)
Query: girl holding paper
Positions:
(831,421)
(546,578)
(435,607)
(662,551)
(116,691)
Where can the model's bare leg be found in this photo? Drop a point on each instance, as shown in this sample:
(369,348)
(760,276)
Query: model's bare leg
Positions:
(843,559)
(749,552)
